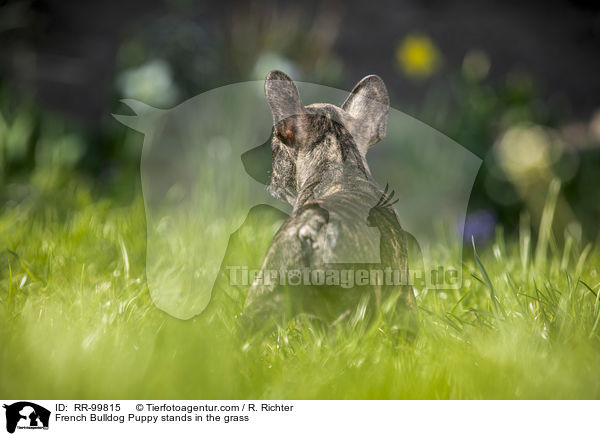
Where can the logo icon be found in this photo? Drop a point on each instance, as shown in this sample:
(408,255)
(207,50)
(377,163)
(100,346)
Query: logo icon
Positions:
(26,415)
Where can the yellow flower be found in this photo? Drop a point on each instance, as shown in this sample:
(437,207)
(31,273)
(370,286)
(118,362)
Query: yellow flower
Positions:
(417,56)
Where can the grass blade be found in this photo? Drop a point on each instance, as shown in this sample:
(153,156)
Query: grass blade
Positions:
(497,306)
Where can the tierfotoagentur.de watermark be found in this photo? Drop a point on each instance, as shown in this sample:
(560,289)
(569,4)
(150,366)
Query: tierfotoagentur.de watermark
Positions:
(346,278)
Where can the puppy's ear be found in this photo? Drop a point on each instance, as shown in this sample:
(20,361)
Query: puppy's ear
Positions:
(368,104)
(286,106)
(289,131)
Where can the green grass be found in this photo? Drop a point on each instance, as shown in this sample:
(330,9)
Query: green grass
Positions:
(77,321)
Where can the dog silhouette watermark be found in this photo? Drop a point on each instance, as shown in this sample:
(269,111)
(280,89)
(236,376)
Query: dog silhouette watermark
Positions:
(205,164)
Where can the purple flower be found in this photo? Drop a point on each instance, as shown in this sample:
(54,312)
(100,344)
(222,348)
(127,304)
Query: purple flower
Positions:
(480,226)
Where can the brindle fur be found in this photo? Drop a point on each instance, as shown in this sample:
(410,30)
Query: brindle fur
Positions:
(319,167)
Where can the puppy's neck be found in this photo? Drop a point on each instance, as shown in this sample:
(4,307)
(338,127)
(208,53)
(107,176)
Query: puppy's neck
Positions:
(329,167)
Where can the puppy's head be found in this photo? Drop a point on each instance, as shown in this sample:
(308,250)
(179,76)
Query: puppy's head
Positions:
(306,137)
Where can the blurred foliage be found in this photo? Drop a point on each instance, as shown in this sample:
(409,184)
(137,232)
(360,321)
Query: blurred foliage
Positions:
(523,140)
(524,143)
(202,54)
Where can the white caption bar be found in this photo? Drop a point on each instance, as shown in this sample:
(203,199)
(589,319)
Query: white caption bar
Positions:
(151,417)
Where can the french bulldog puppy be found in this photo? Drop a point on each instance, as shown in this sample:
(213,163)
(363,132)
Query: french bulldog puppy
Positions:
(342,221)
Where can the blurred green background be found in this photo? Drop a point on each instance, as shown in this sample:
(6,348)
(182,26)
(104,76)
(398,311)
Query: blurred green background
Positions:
(517,85)
(519,91)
